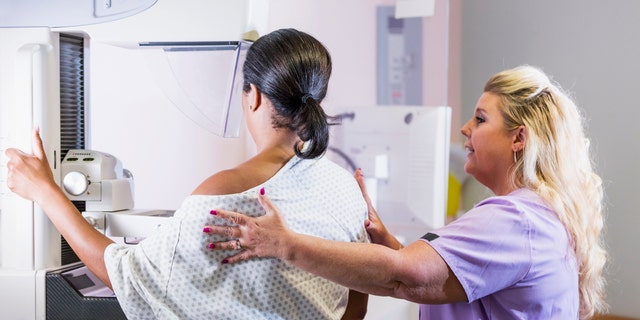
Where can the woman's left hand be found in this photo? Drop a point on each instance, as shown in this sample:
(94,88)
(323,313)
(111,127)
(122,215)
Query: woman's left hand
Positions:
(264,236)
(376,229)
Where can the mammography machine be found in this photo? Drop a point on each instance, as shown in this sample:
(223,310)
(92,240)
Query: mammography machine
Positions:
(191,51)
(107,189)
(44,58)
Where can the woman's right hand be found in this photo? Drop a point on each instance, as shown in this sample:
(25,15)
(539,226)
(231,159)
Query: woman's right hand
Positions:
(376,229)
(29,176)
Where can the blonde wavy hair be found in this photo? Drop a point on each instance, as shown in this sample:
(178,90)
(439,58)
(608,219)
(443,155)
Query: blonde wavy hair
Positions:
(556,164)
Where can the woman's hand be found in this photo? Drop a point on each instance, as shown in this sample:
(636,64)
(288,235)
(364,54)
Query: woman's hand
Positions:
(29,176)
(376,229)
(264,236)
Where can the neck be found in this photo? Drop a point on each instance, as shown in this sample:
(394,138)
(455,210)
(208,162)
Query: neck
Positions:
(504,189)
(278,143)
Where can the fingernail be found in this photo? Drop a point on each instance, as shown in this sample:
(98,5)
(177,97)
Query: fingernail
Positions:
(213,212)
(206,229)
(262,191)
(225,261)
(212,245)
(366,224)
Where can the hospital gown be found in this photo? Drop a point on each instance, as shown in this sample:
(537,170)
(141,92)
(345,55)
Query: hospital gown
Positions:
(173,275)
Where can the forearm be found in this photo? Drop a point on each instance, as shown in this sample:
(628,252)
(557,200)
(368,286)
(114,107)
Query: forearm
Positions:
(368,268)
(87,242)
(416,273)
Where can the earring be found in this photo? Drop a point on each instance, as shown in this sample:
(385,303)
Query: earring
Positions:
(515,159)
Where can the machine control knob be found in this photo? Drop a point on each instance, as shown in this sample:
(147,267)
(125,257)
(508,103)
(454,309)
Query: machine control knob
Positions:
(75,183)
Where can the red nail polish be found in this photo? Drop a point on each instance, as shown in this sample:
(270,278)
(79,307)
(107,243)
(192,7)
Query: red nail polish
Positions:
(212,245)
(262,191)
(225,261)
(206,229)
(213,212)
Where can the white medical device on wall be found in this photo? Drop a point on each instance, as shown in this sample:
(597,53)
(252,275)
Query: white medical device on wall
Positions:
(42,41)
(403,152)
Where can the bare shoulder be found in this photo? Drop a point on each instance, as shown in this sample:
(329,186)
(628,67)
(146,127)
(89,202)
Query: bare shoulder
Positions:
(245,176)
(223,182)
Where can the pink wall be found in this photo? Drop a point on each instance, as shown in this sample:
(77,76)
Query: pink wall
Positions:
(348,29)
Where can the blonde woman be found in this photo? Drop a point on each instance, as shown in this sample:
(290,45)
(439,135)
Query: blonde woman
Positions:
(532,251)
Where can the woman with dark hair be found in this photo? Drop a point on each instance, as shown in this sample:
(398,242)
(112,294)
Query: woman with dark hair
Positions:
(172,274)
(292,69)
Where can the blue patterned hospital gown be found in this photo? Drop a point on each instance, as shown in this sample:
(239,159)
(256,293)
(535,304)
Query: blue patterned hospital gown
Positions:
(173,275)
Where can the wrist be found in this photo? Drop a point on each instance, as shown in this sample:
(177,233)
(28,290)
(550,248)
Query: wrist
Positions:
(390,241)
(48,191)
(286,247)
(393,242)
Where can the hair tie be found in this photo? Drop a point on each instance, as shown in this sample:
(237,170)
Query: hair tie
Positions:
(306,97)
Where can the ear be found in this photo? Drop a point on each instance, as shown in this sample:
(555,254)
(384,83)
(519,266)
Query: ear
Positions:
(519,138)
(255,97)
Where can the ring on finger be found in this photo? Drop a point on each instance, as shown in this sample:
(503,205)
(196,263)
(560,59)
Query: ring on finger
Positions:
(238,245)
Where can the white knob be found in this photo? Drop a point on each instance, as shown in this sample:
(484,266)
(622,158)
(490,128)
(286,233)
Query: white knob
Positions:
(75,183)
